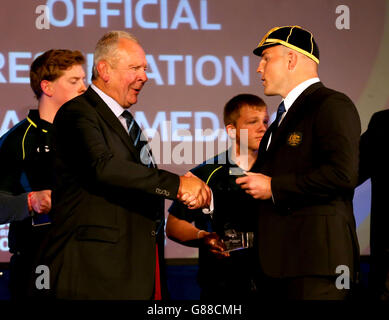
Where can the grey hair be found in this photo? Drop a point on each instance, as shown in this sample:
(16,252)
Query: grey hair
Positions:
(107,46)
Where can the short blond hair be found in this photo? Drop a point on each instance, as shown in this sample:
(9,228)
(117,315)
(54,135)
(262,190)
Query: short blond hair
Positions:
(232,108)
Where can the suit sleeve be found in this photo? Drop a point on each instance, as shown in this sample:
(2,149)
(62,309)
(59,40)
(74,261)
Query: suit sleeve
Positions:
(180,211)
(13,208)
(365,151)
(10,165)
(84,145)
(335,153)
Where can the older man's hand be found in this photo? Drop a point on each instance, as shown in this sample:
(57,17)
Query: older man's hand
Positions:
(193,192)
(40,201)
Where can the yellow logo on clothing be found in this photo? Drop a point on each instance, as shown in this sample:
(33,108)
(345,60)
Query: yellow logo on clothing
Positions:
(295,138)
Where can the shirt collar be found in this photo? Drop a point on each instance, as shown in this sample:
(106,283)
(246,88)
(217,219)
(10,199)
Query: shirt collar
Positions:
(34,118)
(116,108)
(295,93)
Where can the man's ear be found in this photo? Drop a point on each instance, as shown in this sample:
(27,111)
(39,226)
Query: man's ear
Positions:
(231,131)
(103,68)
(292,60)
(47,88)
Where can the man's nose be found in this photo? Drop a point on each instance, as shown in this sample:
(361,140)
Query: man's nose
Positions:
(143,76)
(260,67)
(82,87)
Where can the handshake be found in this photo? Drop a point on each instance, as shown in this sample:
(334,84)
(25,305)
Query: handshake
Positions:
(193,192)
(39,201)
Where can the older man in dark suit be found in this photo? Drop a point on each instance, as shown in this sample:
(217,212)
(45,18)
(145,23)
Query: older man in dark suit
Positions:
(108,202)
(374,161)
(308,164)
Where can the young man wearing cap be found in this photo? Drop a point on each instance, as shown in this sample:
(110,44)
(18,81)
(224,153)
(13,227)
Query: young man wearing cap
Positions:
(308,169)
(56,76)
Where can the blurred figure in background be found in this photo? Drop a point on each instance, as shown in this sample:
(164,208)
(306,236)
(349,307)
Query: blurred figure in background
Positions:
(226,269)
(26,154)
(374,164)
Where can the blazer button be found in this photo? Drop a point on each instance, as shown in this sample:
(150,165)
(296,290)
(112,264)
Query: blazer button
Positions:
(153,233)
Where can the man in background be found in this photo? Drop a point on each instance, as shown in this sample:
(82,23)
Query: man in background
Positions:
(374,160)
(26,158)
(225,271)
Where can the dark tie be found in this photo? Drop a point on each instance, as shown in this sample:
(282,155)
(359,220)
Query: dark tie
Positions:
(280,111)
(138,139)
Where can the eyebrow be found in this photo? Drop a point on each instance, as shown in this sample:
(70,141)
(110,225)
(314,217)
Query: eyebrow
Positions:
(137,65)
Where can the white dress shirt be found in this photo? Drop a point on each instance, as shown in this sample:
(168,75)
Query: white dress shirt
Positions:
(115,107)
(292,97)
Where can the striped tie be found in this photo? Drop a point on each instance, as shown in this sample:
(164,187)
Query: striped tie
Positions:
(280,111)
(139,140)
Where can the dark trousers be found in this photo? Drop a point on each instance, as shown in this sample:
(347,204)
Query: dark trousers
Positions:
(237,289)
(300,288)
(379,277)
(20,273)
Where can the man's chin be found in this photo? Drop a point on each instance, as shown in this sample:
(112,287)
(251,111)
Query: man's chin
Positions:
(130,102)
(268,92)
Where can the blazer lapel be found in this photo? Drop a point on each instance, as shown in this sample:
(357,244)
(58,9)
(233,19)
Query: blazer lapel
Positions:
(109,117)
(262,152)
(291,118)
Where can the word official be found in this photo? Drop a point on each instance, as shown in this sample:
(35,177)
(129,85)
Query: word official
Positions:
(83,11)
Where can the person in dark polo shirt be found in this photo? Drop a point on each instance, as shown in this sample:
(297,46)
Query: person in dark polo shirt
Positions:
(26,151)
(226,270)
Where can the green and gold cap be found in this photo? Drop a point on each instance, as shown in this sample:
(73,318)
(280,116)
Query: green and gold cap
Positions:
(293,37)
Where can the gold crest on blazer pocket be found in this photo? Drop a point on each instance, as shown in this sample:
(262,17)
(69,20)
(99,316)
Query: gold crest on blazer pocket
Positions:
(295,139)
